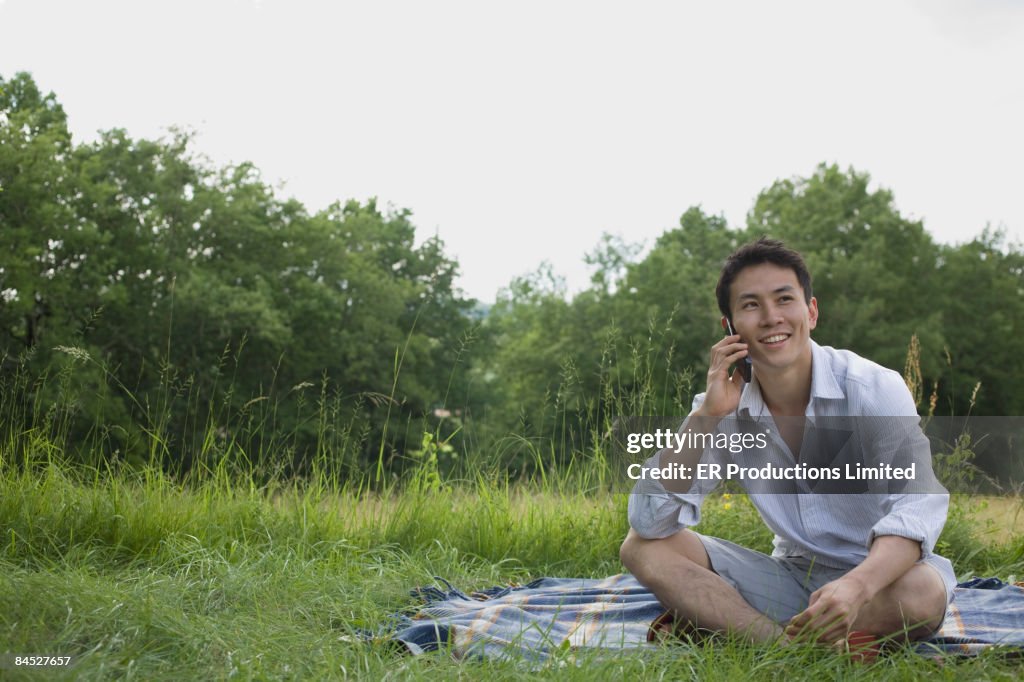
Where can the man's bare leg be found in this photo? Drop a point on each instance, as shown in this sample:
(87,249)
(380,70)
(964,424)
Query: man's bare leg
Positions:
(677,570)
(913,606)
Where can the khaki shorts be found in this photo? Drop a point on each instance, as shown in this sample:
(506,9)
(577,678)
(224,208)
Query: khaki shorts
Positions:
(778,587)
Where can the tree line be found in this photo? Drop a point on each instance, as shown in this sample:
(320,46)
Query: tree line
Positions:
(155,305)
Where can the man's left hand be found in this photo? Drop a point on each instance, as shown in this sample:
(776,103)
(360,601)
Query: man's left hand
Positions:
(830,613)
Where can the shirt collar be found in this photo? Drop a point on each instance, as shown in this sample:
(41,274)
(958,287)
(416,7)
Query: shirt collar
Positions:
(823,378)
(751,400)
(823,385)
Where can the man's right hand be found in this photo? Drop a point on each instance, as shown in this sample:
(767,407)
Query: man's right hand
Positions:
(723,395)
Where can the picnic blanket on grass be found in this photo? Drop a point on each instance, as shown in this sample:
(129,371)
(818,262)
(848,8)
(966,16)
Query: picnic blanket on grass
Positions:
(616,613)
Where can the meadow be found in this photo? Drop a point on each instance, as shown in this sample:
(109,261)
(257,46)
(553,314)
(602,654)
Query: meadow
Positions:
(139,576)
(171,511)
(231,570)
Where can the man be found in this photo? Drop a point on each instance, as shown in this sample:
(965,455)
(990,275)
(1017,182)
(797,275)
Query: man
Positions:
(842,562)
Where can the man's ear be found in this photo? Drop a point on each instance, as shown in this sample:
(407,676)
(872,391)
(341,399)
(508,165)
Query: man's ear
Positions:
(725,324)
(812,312)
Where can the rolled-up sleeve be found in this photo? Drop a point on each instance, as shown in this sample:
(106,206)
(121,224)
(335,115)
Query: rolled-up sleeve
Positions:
(918,510)
(654,512)
(657,513)
(915,516)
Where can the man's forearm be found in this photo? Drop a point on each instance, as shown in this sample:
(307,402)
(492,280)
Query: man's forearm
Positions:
(889,558)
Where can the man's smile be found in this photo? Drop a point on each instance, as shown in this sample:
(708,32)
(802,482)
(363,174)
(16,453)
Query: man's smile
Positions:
(776,339)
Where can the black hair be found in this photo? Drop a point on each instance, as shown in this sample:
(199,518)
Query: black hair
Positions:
(763,250)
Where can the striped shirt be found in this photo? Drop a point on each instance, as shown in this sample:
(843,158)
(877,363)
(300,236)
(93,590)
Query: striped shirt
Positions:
(834,529)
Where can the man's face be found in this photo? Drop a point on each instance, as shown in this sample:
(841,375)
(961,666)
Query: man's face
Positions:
(769,312)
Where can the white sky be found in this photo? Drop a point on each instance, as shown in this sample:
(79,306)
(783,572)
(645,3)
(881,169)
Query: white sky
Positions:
(520,131)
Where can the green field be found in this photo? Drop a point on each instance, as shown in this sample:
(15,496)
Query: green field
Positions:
(137,576)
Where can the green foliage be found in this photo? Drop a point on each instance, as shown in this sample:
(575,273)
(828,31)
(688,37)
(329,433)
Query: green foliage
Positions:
(880,280)
(42,244)
(204,301)
(627,346)
(875,273)
(207,309)
(982,301)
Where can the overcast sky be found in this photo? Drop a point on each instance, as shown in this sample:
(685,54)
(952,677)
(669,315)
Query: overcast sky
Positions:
(520,131)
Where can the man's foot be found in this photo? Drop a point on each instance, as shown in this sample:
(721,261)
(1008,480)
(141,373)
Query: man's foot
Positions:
(667,626)
(863,647)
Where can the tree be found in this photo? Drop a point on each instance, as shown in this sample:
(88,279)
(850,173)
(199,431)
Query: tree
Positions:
(677,281)
(202,294)
(874,271)
(982,296)
(44,286)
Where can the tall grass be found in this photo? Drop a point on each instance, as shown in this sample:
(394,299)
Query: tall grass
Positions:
(138,575)
(235,569)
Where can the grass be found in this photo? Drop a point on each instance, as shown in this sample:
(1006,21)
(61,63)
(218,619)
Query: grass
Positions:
(226,574)
(1001,518)
(141,577)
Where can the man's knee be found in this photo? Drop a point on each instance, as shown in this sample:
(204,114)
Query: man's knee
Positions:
(923,601)
(629,549)
(683,548)
(914,605)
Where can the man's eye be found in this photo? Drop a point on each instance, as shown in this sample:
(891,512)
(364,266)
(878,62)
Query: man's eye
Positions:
(748,304)
(785,299)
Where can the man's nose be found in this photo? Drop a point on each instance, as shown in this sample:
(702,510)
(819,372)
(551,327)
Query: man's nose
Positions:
(770,316)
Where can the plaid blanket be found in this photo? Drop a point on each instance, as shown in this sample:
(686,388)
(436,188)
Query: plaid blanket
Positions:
(531,621)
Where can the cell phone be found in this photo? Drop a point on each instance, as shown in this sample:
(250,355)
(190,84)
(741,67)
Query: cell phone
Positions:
(744,364)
